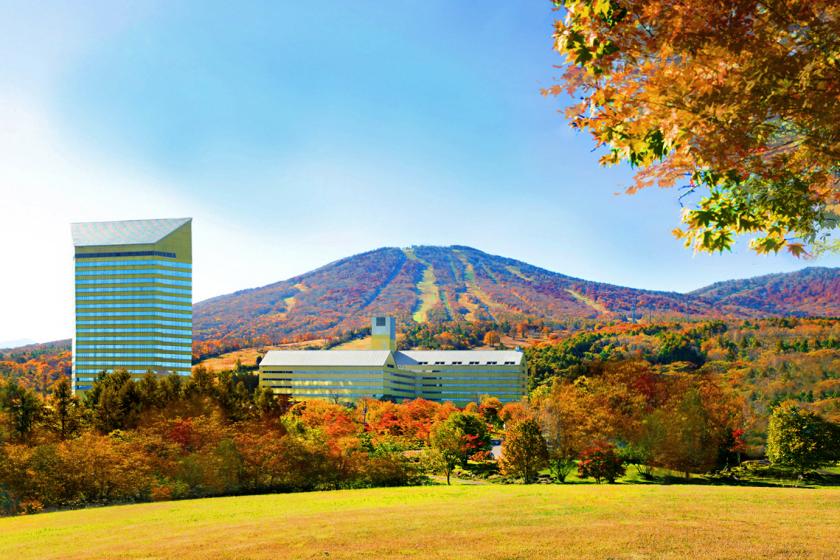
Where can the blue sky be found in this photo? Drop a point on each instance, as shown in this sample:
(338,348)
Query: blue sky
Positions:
(296,133)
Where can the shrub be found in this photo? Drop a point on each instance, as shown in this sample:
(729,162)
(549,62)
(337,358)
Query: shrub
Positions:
(601,462)
(801,440)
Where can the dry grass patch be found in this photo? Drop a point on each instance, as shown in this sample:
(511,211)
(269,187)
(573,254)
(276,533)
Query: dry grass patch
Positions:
(496,522)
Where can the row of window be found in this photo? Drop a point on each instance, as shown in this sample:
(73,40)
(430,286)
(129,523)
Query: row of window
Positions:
(186,315)
(450,376)
(401,390)
(364,389)
(450,395)
(132,289)
(322,394)
(425,386)
(95,359)
(109,322)
(307,381)
(131,305)
(91,361)
(338,382)
(134,263)
(331,372)
(474,363)
(126,254)
(141,281)
(130,337)
(93,371)
(482,382)
(94,348)
(85,332)
(471,378)
(136,297)
(81,274)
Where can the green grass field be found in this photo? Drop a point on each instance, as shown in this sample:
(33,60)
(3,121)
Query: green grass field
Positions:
(486,521)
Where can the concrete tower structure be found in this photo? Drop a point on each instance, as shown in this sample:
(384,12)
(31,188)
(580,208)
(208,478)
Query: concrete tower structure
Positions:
(383,334)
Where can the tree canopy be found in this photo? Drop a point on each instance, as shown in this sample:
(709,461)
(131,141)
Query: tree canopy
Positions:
(737,101)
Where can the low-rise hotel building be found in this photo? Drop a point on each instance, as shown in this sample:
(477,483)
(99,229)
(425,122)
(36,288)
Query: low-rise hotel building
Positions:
(459,376)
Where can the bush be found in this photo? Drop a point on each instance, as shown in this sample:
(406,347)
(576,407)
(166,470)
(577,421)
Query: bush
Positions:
(801,440)
(601,462)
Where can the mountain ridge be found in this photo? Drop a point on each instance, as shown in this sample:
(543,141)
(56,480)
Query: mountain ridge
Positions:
(460,283)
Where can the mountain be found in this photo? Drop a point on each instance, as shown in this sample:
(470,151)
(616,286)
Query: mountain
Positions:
(15,343)
(811,291)
(461,283)
(37,365)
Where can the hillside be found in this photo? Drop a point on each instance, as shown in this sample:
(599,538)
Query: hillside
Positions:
(812,291)
(468,521)
(437,284)
(39,365)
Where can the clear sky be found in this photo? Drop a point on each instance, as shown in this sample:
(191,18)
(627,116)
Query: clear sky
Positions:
(296,133)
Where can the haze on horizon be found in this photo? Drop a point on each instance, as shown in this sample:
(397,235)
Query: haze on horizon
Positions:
(296,135)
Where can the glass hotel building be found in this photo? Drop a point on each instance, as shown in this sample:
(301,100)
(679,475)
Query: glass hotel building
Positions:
(133,298)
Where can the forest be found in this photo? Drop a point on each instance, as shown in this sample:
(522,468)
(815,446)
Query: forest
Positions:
(706,398)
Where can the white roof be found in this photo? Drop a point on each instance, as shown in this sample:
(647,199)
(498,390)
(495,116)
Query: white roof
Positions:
(127,232)
(413,357)
(353,358)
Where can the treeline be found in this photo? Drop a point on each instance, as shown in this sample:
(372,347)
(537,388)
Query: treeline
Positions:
(37,366)
(762,362)
(208,435)
(164,438)
(461,335)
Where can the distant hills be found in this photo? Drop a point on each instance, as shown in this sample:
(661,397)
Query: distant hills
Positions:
(811,291)
(15,343)
(439,284)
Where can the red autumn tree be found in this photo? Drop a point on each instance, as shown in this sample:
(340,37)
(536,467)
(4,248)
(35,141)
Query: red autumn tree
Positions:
(601,462)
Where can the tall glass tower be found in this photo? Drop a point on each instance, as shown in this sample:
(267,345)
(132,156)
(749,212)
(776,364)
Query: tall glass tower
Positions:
(133,298)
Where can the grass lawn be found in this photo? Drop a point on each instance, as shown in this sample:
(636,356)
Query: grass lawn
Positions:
(484,521)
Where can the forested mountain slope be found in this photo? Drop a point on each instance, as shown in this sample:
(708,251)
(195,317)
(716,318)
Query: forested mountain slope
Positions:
(812,291)
(457,283)
(430,289)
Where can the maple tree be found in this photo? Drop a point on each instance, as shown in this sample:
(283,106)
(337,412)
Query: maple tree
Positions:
(524,451)
(561,415)
(734,99)
(601,461)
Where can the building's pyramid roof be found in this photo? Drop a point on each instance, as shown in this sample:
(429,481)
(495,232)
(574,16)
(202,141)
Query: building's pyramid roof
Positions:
(127,232)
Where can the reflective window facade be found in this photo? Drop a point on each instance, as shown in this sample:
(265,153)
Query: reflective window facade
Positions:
(133,298)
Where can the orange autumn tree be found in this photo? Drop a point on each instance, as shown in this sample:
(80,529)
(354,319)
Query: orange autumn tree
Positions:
(737,101)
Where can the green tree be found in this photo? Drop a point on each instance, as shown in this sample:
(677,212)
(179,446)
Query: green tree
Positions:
(801,440)
(114,401)
(475,435)
(23,408)
(65,408)
(447,449)
(232,396)
(679,348)
(524,451)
